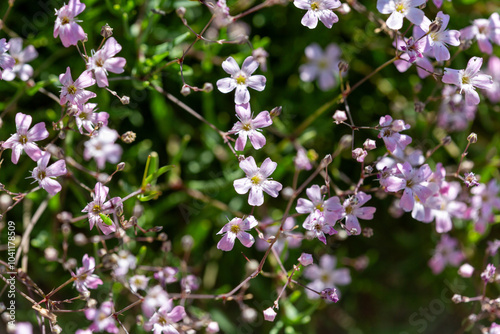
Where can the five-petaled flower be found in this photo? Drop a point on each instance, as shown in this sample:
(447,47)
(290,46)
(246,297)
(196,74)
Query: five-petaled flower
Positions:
(6,61)
(43,174)
(21,57)
(85,278)
(484,31)
(66,26)
(256,181)
(241,79)
(162,320)
(99,206)
(321,65)
(399,9)
(236,229)
(438,40)
(467,80)
(73,91)
(24,140)
(353,210)
(318,10)
(104,60)
(247,127)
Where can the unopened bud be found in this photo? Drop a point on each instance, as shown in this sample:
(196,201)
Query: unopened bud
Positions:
(125,99)
(64,217)
(208,87)
(66,229)
(85,39)
(328,159)
(128,137)
(446,140)
(187,242)
(56,329)
(51,254)
(472,138)
(275,112)
(120,166)
(339,116)
(367,232)
(456,299)
(436,25)
(324,190)
(181,11)
(345,141)
(185,90)
(343,66)
(106,31)
(419,107)
(80,239)
(368,169)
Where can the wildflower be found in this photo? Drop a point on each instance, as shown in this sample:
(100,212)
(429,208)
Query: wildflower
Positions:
(399,9)
(125,262)
(166,275)
(21,57)
(162,320)
(236,229)
(437,41)
(100,206)
(470,180)
(85,278)
(325,276)
(190,283)
(331,209)
(138,282)
(87,119)
(257,180)
(485,31)
(305,259)
(241,79)
(73,91)
(102,147)
(467,80)
(269,314)
(317,223)
(43,174)
(155,298)
(318,10)
(321,65)
(301,160)
(454,114)
(6,61)
(66,26)
(466,270)
(248,127)
(389,132)
(353,211)
(102,320)
(359,154)
(494,69)
(445,253)
(484,200)
(104,60)
(330,295)
(24,139)
(488,275)
(413,182)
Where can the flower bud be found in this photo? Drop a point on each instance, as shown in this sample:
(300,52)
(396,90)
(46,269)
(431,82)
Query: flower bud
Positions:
(181,11)
(369,144)
(328,159)
(472,138)
(269,314)
(419,107)
(185,90)
(51,254)
(368,169)
(339,116)
(106,31)
(208,87)
(446,140)
(125,99)
(128,137)
(436,25)
(305,259)
(187,242)
(275,112)
(120,166)
(343,66)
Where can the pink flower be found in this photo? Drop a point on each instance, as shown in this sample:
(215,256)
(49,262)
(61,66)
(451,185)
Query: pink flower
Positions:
(166,275)
(319,225)
(6,61)
(339,117)
(155,298)
(102,147)
(21,57)
(138,282)
(466,270)
(318,10)
(73,91)
(24,140)
(102,320)
(488,275)
(399,9)
(437,41)
(100,206)
(43,174)
(104,60)
(494,69)
(236,229)
(330,295)
(269,314)
(484,200)
(321,65)
(162,320)
(353,210)
(85,278)
(454,113)
(325,276)
(66,26)
(87,119)
(414,183)
(467,80)
(301,160)
(331,208)
(359,154)
(256,181)
(389,132)
(445,253)
(305,259)
(248,127)
(241,79)
(484,31)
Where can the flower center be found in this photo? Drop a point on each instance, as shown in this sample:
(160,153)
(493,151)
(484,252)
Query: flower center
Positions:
(247,127)
(65,20)
(323,64)
(348,210)
(41,174)
(409,183)
(387,133)
(235,229)
(23,139)
(71,89)
(465,80)
(17,60)
(319,207)
(96,208)
(318,227)
(315,5)
(162,321)
(99,62)
(256,179)
(400,7)
(325,278)
(241,79)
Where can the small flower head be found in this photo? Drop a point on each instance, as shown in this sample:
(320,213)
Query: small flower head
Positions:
(269,314)
(330,295)
(470,180)
(247,127)
(66,26)
(99,206)
(44,175)
(6,61)
(236,229)
(399,9)
(318,10)
(73,91)
(241,79)
(305,259)
(488,275)
(321,65)
(21,57)
(104,61)
(85,277)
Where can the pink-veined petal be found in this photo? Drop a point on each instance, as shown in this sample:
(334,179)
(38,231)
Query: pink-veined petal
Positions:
(246,239)
(268,167)
(256,197)
(226,85)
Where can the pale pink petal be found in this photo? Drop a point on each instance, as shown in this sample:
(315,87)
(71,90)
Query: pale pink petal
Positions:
(249,65)
(267,167)
(351,222)
(115,65)
(241,141)
(256,197)
(395,21)
(249,166)
(309,19)
(230,66)
(23,123)
(58,168)
(32,151)
(328,18)
(257,82)
(226,85)
(242,185)
(262,120)
(177,314)
(242,95)
(272,188)
(50,185)
(407,201)
(257,139)
(245,238)
(415,16)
